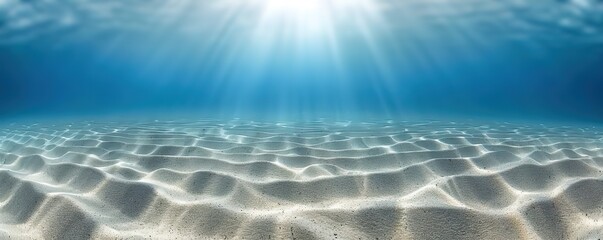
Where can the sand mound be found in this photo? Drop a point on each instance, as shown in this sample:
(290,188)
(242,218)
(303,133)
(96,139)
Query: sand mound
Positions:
(211,179)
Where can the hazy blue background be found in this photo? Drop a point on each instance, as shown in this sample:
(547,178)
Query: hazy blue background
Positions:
(304,58)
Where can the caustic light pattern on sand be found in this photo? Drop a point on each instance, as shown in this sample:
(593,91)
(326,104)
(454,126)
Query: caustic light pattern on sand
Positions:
(258,180)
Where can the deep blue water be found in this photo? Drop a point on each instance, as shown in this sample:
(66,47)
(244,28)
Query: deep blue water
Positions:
(304,58)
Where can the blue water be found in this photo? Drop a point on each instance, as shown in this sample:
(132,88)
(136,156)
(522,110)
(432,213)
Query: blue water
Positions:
(303,59)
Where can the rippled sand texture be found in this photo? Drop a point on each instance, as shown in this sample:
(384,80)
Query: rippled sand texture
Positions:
(209,179)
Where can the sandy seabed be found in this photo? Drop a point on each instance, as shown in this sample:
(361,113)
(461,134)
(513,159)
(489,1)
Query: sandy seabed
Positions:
(317,180)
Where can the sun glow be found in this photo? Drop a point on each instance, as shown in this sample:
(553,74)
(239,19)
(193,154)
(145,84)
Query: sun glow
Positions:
(296,6)
(302,20)
(309,19)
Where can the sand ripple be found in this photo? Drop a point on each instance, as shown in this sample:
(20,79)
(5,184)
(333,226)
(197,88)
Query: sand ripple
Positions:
(212,179)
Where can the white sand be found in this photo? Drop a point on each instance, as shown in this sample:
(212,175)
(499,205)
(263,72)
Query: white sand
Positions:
(427,180)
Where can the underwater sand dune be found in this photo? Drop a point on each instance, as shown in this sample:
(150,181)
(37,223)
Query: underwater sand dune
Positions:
(319,180)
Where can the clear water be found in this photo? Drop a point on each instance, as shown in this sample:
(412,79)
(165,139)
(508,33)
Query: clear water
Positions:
(303,59)
(301,119)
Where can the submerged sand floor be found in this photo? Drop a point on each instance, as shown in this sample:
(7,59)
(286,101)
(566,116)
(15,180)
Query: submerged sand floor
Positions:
(217,180)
